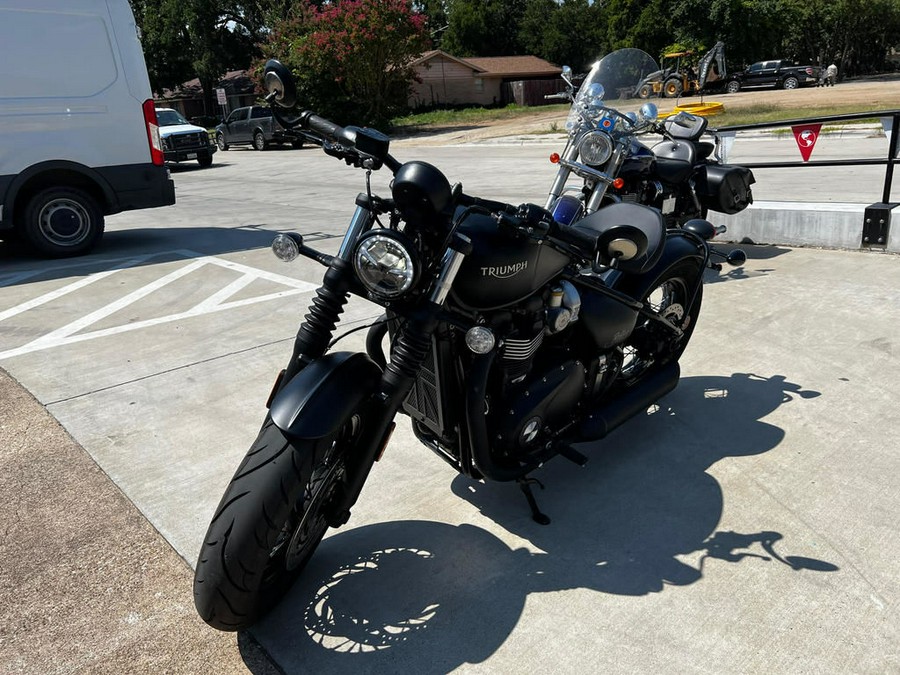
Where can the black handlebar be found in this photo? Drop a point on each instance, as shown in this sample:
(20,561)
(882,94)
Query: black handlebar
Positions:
(530,219)
(326,128)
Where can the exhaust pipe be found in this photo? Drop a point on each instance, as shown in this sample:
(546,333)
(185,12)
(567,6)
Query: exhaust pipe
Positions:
(635,401)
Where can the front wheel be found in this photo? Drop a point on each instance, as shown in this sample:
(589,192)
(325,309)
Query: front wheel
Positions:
(733,87)
(221,142)
(673,88)
(645,91)
(650,345)
(268,524)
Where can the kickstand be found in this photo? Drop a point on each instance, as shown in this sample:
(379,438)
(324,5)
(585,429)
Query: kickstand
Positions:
(525,485)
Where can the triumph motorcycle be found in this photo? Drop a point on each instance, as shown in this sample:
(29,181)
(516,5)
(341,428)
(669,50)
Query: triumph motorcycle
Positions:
(512,338)
(683,175)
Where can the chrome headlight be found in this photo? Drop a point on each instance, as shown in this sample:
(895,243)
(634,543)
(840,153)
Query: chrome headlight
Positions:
(384,263)
(595,148)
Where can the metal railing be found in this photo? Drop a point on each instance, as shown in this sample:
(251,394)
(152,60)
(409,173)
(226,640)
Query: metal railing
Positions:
(877,217)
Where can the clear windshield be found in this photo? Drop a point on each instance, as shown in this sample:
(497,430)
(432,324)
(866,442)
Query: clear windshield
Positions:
(619,73)
(614,77)
(170,118)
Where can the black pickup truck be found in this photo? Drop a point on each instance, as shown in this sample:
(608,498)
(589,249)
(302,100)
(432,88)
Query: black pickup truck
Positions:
(253,125)
(778,73)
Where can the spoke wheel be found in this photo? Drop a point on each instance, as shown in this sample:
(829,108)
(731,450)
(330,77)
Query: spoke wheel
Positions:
(271,519)
(651,346)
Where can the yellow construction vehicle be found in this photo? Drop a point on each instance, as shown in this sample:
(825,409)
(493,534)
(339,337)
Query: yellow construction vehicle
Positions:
(677,77)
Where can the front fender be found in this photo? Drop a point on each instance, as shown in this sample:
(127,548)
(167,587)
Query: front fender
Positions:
(318,399)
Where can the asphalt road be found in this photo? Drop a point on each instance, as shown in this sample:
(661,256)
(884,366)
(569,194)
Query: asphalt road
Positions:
(745,524)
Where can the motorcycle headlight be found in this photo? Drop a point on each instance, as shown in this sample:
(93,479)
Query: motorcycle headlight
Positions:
(384,263)
(595,148)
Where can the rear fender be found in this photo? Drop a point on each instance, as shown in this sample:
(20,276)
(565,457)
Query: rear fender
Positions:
(677,247)
(318,399)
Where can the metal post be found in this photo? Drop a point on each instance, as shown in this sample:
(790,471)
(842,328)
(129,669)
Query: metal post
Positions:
(892,153)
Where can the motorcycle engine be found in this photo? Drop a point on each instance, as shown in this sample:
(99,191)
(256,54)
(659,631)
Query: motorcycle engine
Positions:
(545,402)
(542,398)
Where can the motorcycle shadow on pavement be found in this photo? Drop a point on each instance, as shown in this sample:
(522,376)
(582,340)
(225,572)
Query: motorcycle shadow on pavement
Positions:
(749,271)
(429,596)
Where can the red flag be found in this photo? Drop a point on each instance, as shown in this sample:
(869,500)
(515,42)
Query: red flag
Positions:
(806,136)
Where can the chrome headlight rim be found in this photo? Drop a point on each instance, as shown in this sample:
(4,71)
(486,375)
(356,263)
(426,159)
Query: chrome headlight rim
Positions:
(385,263)
(595,148)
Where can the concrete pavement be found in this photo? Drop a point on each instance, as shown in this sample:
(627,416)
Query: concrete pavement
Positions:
(746,524)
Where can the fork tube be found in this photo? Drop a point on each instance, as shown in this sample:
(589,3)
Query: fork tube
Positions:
(562,175)
(328,304)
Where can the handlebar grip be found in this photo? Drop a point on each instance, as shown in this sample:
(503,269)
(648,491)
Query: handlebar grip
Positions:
(326,128)
(581,238)
(322,126)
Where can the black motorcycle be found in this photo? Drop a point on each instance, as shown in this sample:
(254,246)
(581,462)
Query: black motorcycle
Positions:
(682,174)
(512,337)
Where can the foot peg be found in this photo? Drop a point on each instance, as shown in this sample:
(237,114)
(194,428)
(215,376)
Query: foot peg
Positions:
(571,454)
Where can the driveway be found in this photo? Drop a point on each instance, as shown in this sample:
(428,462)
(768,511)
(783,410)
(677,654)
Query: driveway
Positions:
(744,524)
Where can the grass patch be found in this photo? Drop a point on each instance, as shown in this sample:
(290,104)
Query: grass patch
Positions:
(770,113)
(467,116)
(443,119)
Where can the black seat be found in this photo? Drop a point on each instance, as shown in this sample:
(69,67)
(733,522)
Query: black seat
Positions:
(642,226)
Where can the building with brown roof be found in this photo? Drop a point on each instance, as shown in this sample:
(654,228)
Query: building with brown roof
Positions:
(484,80)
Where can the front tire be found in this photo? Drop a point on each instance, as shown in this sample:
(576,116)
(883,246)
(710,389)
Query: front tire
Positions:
(268,524)
(204,160)
(645,91)
(733,87)
(672,88)
(220,141)
(62,221)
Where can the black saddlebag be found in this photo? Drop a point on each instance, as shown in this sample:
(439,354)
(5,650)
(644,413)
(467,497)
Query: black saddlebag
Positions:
(724,188)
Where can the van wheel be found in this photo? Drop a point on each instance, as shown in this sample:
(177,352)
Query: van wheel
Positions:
(220,141)
(62,221)
(204,160)
(259,141)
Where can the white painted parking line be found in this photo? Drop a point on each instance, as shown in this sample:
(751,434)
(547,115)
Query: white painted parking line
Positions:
(59,292)
(216,302)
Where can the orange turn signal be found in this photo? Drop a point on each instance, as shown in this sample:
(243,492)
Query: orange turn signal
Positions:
(554,158)
(618,183)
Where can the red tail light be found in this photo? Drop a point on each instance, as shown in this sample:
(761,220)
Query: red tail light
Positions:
(152,124)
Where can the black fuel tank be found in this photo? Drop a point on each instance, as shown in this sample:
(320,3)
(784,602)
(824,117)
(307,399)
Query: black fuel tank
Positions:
(501,269)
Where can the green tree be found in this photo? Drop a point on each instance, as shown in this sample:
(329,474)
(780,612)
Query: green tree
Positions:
(566,33)
(351,59)
(201,38)
(483,27)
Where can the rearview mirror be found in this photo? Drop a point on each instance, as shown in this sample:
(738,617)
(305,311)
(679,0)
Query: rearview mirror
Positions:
(279,83)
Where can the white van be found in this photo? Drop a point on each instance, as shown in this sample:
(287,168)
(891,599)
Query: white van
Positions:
(79,137)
